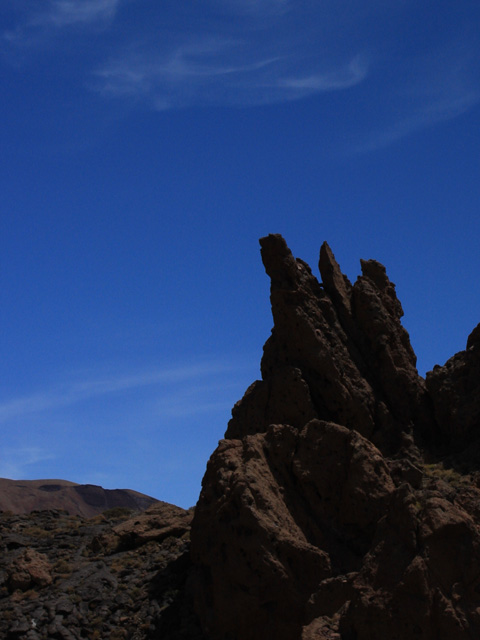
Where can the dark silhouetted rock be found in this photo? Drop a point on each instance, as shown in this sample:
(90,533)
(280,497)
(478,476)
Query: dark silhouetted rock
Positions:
(326,512)
(455,391)
(337,352)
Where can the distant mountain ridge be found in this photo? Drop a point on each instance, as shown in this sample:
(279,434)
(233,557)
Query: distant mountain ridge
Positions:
(86,500)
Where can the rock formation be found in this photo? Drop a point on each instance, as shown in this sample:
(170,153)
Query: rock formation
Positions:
(343,502)
(455,391)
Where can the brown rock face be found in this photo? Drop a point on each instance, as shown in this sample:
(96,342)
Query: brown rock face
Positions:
(337,352)
(273,494)
(159,522)
(30,569)
(455,390)
(319,516)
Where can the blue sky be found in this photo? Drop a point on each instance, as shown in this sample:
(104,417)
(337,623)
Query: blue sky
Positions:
(146,146)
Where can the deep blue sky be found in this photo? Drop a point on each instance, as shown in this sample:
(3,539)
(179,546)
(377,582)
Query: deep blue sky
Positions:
(146,146)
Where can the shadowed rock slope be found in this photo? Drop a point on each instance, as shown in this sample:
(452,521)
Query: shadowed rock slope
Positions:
(343,502)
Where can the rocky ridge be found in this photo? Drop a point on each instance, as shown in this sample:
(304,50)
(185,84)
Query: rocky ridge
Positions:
(343,502)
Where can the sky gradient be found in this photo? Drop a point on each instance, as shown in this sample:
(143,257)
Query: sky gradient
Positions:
(146,146)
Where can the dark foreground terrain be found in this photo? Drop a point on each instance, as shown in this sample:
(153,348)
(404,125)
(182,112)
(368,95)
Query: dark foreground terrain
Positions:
(343,503)
(115,576)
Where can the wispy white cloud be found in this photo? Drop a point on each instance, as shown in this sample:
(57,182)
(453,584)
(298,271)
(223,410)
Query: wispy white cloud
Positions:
(427,116)
(62,13)
(221,71)
(143,73)
(200,398)
(38,21)
(67,394)
(341,78)
(439,87)
(15,461)
(255,7)
(243,52)
(102,428)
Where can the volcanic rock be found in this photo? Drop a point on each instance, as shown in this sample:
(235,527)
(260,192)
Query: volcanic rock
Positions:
(455,391)
(331,510)
(337,352)
(157,523)
(58,581)
(30,569)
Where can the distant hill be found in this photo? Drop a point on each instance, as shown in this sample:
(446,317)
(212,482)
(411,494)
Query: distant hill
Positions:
(86,500)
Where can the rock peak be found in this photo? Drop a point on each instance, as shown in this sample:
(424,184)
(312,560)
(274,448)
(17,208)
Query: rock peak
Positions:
(329,511)
(337,352)
(336,284)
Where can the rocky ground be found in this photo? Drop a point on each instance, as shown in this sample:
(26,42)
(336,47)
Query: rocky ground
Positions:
(118,576)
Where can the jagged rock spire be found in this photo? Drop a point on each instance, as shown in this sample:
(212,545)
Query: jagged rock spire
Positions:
(319,518)
(337,352)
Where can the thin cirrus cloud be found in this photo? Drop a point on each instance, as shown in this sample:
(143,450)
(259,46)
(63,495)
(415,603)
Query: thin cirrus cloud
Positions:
(248,61)
(40,21)
(253,7)
(344,77)
(15,461)
(425,117)
(62,13)
(67,394)
(196,399)
(437,88)
(223,72)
